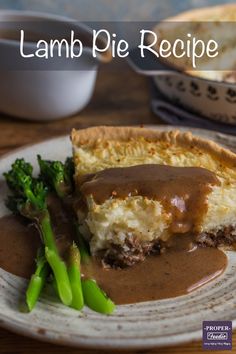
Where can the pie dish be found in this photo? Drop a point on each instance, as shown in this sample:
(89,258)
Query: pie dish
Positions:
(209,93)
(127,227)
(215,22)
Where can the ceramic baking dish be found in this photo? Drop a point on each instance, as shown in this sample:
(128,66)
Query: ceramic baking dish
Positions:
(210,98)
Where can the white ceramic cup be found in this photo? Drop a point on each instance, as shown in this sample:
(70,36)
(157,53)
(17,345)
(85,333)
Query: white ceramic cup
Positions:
(45,94)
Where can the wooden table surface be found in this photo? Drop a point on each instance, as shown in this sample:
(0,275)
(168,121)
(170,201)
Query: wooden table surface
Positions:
(121,98)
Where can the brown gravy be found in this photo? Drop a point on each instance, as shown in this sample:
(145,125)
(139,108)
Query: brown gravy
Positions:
(179,271)
(18,246)
(19,240)
(181,190)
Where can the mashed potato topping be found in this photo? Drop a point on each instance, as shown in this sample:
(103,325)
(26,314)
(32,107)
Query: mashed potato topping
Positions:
(146,219)
(116,219)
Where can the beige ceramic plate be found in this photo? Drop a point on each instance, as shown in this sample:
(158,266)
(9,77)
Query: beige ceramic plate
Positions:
(144,325)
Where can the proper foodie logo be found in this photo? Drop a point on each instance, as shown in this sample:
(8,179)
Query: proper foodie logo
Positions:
(217,335)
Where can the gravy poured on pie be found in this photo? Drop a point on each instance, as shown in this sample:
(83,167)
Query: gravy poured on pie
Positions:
(182,191)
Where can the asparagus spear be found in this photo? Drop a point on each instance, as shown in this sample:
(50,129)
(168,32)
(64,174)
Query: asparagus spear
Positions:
(29,200)
(59,177)
(37,281)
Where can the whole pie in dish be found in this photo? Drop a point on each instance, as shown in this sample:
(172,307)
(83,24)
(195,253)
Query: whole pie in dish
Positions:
(137,188)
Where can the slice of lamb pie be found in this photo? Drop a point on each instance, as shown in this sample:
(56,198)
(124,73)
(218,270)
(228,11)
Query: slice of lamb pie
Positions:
(136,188)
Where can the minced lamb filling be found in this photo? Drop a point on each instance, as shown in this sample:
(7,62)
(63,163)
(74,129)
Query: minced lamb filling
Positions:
(133,211)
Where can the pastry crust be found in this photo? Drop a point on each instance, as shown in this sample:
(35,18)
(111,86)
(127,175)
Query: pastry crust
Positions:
(93,136)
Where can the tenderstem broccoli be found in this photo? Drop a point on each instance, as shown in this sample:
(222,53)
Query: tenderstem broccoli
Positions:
(75,277)
(37,281)
(29,200)
(94,297)
(59,177)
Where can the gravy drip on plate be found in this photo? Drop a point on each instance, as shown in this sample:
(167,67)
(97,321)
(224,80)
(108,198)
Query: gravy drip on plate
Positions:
(178,271)
(183,268)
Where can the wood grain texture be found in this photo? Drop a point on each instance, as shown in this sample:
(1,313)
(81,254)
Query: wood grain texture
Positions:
(121,98)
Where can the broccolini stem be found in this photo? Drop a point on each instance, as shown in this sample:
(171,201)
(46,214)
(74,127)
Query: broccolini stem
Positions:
(75,277)
(47,232)
(95,298)
(37,282)
(83,249)
(61,276)
(54,260)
